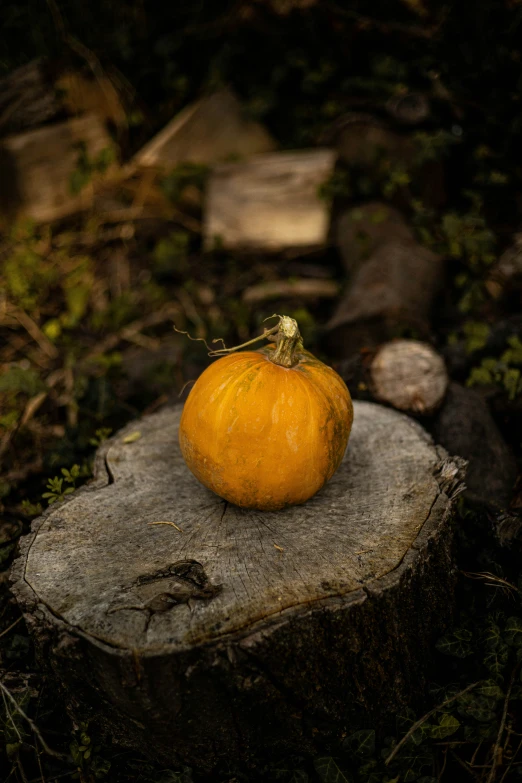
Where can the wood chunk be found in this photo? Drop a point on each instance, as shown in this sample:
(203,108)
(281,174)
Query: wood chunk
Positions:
(507,528)
(366,143)
(285,7)
(36,169)
(391,290)
(194,641)
(507,269)
(409,108)
(361,230)
(465,426)
(362,141)
(27,99)
(269,202)
(212,129)
(304,288)
(409,375)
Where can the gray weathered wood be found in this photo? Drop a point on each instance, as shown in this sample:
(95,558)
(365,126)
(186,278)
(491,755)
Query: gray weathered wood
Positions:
(237,632)
(27,98)
(36,169)
(269,202)
(212,129)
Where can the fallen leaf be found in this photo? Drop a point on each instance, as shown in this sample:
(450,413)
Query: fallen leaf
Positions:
(132,437)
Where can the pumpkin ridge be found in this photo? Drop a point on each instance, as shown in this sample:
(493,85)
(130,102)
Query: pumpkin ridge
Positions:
(232,386)
(335,414)
(305,385)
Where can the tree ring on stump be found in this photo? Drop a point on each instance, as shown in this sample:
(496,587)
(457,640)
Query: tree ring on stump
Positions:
(235,634)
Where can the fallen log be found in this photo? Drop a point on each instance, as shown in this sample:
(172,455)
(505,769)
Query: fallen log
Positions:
(393,281)
(199,632)
(466,427)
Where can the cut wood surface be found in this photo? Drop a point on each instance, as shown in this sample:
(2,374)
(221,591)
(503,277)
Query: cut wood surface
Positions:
(212,129)
(269,202)
(36,169)
(199,630)
(409,375)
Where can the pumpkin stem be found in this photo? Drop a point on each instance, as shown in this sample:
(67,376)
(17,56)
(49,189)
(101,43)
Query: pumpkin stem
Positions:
(268,334)
(286,336)
(288,342)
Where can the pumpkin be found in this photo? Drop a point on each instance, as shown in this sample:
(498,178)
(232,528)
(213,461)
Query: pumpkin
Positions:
(266,429)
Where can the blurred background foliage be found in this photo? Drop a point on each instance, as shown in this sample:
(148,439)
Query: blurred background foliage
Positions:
(88,305)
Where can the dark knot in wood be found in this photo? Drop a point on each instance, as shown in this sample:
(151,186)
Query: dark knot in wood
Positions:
(180,583)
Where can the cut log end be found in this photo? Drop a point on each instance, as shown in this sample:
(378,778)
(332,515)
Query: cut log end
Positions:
(269,202)
(409,375)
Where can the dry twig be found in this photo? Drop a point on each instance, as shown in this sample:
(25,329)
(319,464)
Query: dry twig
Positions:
(422,720)
(6,630)
(172,524)
(495,762)
(36,333)
(32,724)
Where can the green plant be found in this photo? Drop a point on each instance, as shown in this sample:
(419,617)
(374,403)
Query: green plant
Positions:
(338,185)
(100,436)
(181,177)
(86,756)
(87,166)
(31,509)
(476,334)
(170,253)
(56,493)
(504,372)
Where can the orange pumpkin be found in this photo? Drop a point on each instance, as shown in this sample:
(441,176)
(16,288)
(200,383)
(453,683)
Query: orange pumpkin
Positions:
(267,429)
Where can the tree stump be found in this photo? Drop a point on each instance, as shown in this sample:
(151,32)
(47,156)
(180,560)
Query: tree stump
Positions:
(231,634)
